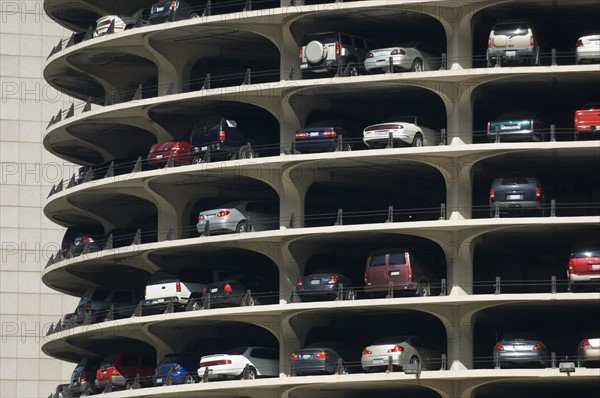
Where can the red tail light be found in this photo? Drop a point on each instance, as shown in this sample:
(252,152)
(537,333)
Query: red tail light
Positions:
(214,363)
(409,273)
(201,217)
(586,344)
(369,55)
(579,43)
(532,41)
(223,213)
(365,351)
(396,348)
(538,192)
(300,135)
(490,42)
(322,355)
(538,346)
(114,372)
(228,288)
(492,193)
(499,347)
(338,48)
(299,282)
(300,54)
(177,147)
(489,128)
(294,356)
(365,277)
(334,279)
(221,135)
(329,133)
(398,51)
(571,267)
(204,292)
(174,5)
(178,287)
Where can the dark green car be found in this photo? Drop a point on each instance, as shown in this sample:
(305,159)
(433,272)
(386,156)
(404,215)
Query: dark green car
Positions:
(516,129)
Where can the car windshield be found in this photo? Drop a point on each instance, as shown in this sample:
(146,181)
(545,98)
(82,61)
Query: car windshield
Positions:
(519,336)
(586,253)
(326,123)
(402,119)
(108,361)
(511,29)
(391,340)
(514,181)
(236,351)
(172,358)
(325,38)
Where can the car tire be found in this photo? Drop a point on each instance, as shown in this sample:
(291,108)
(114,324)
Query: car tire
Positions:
(350,70)
(250,375)
(248,301)
(414,360)
(417,66)
(246,153)
(191,304)
(198,159)
(241,227)
(190,379)
(194,15)
(417,141)
(423,290)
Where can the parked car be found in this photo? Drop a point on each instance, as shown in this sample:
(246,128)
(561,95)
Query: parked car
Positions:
(584,268)
(516,195)
(405,130)
(172,10)
(234,217)
(160,153)
(587,49)
(84,375)
(324,286)
(76,237)
(222,138)
(121,22)
(408,271)
(588,351)
(262,362)
(121,370)
(512,127)
(326,53)
(183,368)
(233,292)
(324,135)
(402,350)
(414,57)
(321,358)
(159,292)
(97,302)
(521,349)
(512,42)
(81,241)
(61,391)
(587,121)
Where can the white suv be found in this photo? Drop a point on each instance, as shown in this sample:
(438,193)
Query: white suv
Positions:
(512,42)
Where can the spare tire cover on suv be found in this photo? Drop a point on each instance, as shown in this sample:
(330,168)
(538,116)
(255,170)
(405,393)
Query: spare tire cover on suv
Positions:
(314,52)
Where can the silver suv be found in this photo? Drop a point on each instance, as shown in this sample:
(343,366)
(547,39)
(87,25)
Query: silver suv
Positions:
(333,53)
(512,42)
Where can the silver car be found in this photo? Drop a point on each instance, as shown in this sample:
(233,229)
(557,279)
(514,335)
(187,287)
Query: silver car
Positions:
(587,49)
(415,57)
(241,216)
(401,350)
(405,130)
(521,350)
(588,351)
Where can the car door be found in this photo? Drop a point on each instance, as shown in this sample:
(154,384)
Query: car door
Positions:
(255,213)
(265,360)
(376,271)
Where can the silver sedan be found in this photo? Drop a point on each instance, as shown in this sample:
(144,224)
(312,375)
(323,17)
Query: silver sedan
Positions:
(588,351)
(415,57)
(241,216)
(400,350)
(405,130)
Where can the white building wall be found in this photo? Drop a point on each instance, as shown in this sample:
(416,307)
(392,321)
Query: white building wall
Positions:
(27,173)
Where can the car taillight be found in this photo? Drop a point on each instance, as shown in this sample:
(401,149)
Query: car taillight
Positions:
(223,213)
(294,356)
(174,5)
(338,48)
(329,133)
(334,279)
(228,288)
(204,292)
(115,372)
(409,273)
(176,367)
(579,43)
(538,192)
(300,135)
(221,135)
(299,282)
(489,128)
(396,348)
(200,217)
(178,287)
(177,147)
(538,346)
(532,41)
(369,55)
(322,355)
(398,51)
(490,42)
(499,347)
(214,363)
(586,344)
(571,266)
(300,54)
(366,352)
(492,193)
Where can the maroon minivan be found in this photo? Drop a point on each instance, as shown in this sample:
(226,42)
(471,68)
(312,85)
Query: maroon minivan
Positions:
(407,271)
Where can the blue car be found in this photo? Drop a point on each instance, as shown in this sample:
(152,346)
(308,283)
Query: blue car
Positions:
(183,367)
(324,136)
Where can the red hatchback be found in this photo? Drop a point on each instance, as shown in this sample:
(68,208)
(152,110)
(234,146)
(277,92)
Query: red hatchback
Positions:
(160,153)
(584,269)
(121,370)
(587,119)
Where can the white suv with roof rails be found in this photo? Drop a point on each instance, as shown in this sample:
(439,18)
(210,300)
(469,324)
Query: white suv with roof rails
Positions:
(512,42)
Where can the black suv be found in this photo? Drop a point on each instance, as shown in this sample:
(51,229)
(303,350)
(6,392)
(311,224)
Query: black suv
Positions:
(333,53)
(516,195)
(220,137)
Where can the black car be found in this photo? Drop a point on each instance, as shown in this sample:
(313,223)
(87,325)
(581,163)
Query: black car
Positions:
(172,10)
(326,136)
(221,137)
(319,358)
(516,195)
(234,293)
(84,375)
(324,286)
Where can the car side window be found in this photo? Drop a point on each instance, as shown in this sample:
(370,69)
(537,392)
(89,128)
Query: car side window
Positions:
(359,43)
(264,353)
(255,207)
(377,261)
(397,258)
(346,40)
(100,295)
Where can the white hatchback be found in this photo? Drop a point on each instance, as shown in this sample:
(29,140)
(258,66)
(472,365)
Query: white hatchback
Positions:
(261,362)
(587,49)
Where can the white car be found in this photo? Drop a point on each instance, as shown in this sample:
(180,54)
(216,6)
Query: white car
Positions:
(415,57)
(405,130)
(122,22)
(587,49)
(235,216)
(261,361)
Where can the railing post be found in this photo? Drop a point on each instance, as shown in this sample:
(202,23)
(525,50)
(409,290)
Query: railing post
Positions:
(206,84)
(110,100)
(497,134)
(340,293)
(496,210)
(88,105)
(89,33)
(390,217)
(553,51)
(206,303)
(390,140)
(390,368)
(138,93)
(247,77)
(109,243)
(444,364)
(444,287)
(71,111)
(207,9)
(442,211)
(340,219)
(138,165)
(206,231)
(497,285)
(110,316)
(248,6)
(51,122)
(390,68)
(291,74)
(444,63)
(137,239)
(553,133)
(553,360)
(170,307)
(553,208)
(292,221)
(443,137)
(138,310)
(136,382)
(111,28)
(390,290)
(111,170)
(170,88)
(553,284)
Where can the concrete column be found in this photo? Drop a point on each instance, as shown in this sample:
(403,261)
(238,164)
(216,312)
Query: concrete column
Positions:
(459,334)
(295,183)
(169,69)
(459,113)
(459,263)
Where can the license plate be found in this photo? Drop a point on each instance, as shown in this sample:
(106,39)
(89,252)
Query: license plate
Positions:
(595,128)
(378,362)
(394,273)
(315,282)
(159,9)
(315,134)
(383,133)
(159,156)
(214,290)
(160,300)
(210,216)
(519,348)
(306,356)
(514,197)
(159,380)
(595,267)
(204,148)
(511,53)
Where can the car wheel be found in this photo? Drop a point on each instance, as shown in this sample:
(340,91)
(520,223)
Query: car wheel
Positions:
(350,294)
(241,227)
(190,379)
(423,290)
(198,160)
(248,301)
(250,374)
(418,140)
(417,66)
(246,153)
(414,360)
(350,70)
(194,15)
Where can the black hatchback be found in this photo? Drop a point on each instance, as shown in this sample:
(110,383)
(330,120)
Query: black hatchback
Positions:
(516,195)
(324,286)
(234,293)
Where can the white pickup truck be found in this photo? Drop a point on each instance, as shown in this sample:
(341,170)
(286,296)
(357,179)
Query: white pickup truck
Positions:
(163,291)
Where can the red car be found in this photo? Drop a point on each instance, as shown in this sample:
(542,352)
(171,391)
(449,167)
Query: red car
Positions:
(587,119)
(121,370)
(584,268)
(160,153)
